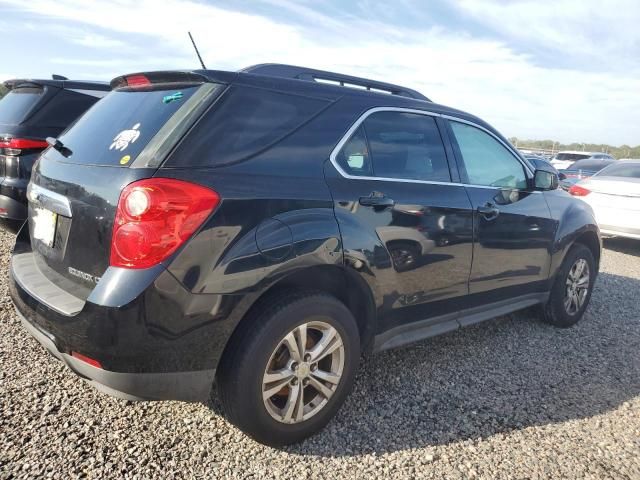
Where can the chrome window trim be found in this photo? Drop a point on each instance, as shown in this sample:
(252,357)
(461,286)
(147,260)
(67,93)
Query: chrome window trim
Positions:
(347,136)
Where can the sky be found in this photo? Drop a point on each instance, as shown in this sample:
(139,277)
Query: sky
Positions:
(567,70)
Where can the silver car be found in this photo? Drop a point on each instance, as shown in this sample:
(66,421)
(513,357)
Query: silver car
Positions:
(614,195)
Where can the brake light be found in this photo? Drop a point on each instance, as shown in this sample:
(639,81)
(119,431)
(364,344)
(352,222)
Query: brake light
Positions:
(22,143)
(578,191)
(91,361)
(155,217)
(137,81)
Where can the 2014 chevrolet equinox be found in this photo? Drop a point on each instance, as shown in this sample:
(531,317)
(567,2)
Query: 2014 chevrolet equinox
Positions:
(261,229)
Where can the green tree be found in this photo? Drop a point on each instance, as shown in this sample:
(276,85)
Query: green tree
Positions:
(3,90)
(624,151)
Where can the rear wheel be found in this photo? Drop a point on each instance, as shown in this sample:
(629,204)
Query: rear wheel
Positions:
(572,288)
(287,373)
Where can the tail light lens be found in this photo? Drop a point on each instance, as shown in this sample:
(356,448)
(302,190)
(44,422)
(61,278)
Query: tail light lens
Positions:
(13,146)
(578,191)
(155,217)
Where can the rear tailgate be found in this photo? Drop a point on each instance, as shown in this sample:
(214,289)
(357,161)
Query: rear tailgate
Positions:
(75,188)
(22,101)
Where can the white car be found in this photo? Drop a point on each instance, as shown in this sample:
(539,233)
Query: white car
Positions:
(564,160)
(614,195)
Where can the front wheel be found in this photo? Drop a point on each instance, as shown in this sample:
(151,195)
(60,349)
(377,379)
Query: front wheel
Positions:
(289,370)
(572,288)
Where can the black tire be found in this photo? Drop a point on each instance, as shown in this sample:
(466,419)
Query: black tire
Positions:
(241,370)
(554,311)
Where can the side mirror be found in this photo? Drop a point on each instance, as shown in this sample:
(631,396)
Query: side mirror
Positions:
(545,179)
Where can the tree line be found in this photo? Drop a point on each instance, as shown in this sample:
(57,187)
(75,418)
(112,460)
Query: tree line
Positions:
(623,151)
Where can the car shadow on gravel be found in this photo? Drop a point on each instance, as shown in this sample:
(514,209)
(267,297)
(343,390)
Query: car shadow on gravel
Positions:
(628,246)
(507,374)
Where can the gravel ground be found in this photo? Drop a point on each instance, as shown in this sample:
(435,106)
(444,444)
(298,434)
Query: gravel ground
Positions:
(510,398)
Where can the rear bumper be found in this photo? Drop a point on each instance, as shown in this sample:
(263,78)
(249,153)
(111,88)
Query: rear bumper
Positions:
(12,209)
(187,386)
(154,339)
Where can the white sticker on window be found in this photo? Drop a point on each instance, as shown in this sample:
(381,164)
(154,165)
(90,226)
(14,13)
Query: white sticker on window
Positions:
(125,137)
(355,161)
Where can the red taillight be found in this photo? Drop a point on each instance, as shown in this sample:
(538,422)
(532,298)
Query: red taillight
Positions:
(91,361)
(154,217)
(137,81)
(578,191)
(22,143)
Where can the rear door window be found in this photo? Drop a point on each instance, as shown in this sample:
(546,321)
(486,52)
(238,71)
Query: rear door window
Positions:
(118,127)
(396,145)
(16,105)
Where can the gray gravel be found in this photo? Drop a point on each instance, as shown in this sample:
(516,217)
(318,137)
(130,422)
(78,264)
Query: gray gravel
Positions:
(510,398)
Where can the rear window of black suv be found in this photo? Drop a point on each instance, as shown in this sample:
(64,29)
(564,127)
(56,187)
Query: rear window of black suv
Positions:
(118,127)
(244,121)
(18,103)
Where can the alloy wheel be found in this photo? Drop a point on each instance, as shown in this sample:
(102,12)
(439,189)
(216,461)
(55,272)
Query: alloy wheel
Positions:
(303,372)
(577,286)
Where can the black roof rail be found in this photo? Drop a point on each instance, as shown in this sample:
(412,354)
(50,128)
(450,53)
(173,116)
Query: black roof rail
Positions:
(310,74)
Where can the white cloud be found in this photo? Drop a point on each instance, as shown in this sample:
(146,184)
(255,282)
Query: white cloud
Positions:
(485,77)
(98,41)
(605,32)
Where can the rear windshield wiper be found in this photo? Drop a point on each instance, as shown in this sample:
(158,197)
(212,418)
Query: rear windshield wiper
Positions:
(59,146)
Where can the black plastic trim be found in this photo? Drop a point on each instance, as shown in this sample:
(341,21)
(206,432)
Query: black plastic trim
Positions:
(186,386)
(431,327)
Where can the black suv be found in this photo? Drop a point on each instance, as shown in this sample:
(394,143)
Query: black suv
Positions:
(264,228)
(32,111)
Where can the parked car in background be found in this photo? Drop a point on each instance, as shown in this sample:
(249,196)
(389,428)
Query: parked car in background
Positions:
(539,161)
(582,169)
(564,160)
(258,230)
(30,112)
(614,195)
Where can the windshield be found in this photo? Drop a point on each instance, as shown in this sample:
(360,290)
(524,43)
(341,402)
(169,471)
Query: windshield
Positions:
(628,170)
(572,156)
(18,103)
(118,127)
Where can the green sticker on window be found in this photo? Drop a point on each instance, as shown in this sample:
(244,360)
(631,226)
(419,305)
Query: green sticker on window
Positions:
(173,97)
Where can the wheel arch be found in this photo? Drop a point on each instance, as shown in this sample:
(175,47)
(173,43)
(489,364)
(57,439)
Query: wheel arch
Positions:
(591,240)
(588,236)
(334,280)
